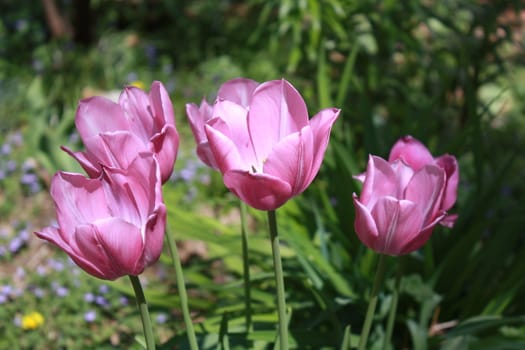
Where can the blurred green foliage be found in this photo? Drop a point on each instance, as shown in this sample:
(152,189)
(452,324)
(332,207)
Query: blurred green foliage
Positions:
(447,72)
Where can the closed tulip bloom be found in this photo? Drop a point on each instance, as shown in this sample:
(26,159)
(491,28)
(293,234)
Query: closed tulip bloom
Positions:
(113,225)
(239,91)
(270,151)
(399,205)
(114,133)
(416,155)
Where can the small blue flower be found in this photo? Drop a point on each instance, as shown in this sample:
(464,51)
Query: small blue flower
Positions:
(5,149)
(103,288)
(39,292)
(20,272)
(56,265)
(28,178)
(41,270)
(3,299)
(161,318)
(101,301)
(89,297)
(24,235)
(11,166)
(15,245)
(90,316)
(6,289)
(62,291)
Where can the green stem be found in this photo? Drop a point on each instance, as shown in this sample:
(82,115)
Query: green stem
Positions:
(246,268)
(279,281)
(144,313)
(181,286)
(393,306)
(380,272)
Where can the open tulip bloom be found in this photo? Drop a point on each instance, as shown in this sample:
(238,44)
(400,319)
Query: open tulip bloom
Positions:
(113,133)
(112,225)
(239,91)
(268,151)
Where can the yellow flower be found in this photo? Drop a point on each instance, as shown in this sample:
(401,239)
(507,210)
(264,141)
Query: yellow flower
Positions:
(138,83)
(32,320)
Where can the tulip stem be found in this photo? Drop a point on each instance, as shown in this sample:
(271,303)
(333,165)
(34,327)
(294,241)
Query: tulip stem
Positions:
(393,306)
(181,286)
(144,313)
(246,268)
(380,272)
(279,281)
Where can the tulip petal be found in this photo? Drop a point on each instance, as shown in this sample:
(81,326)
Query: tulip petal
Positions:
(276,110)
(155,228)
(54,235)
(135,104)
(412,152)
(78,200)
(423,236)
(291,160)
(163,113)
(404,174)
(426,189)
(380,181)
(96,115)
(88,162)
(398,222)
(135,192)
(261,191)
(114,149)
(224,151)
(113,244)
(364,224)
(449,220)
(197,117)
(230,119)
(206,155)
(449,164)
(238,90)
(165,145)
(321,125)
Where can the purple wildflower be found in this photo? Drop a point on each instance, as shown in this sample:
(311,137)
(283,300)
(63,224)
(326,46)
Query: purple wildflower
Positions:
(39,292)
(90,316)
(62,291)
(16,244)
(161,318)
(89,297)
(5,149)
(3,299)
(103,288)
(101,301)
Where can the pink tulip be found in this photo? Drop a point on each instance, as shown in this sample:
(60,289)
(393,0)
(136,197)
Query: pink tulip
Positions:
(239,91)
(113,225)
(269,151)
(403,199)
(114,133)
(416,155)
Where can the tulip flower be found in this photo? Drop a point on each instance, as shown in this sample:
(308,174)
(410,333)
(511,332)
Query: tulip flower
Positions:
(239,91)
(112,225)
(269,151)
(114,133)
(399,205)
(416,155)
